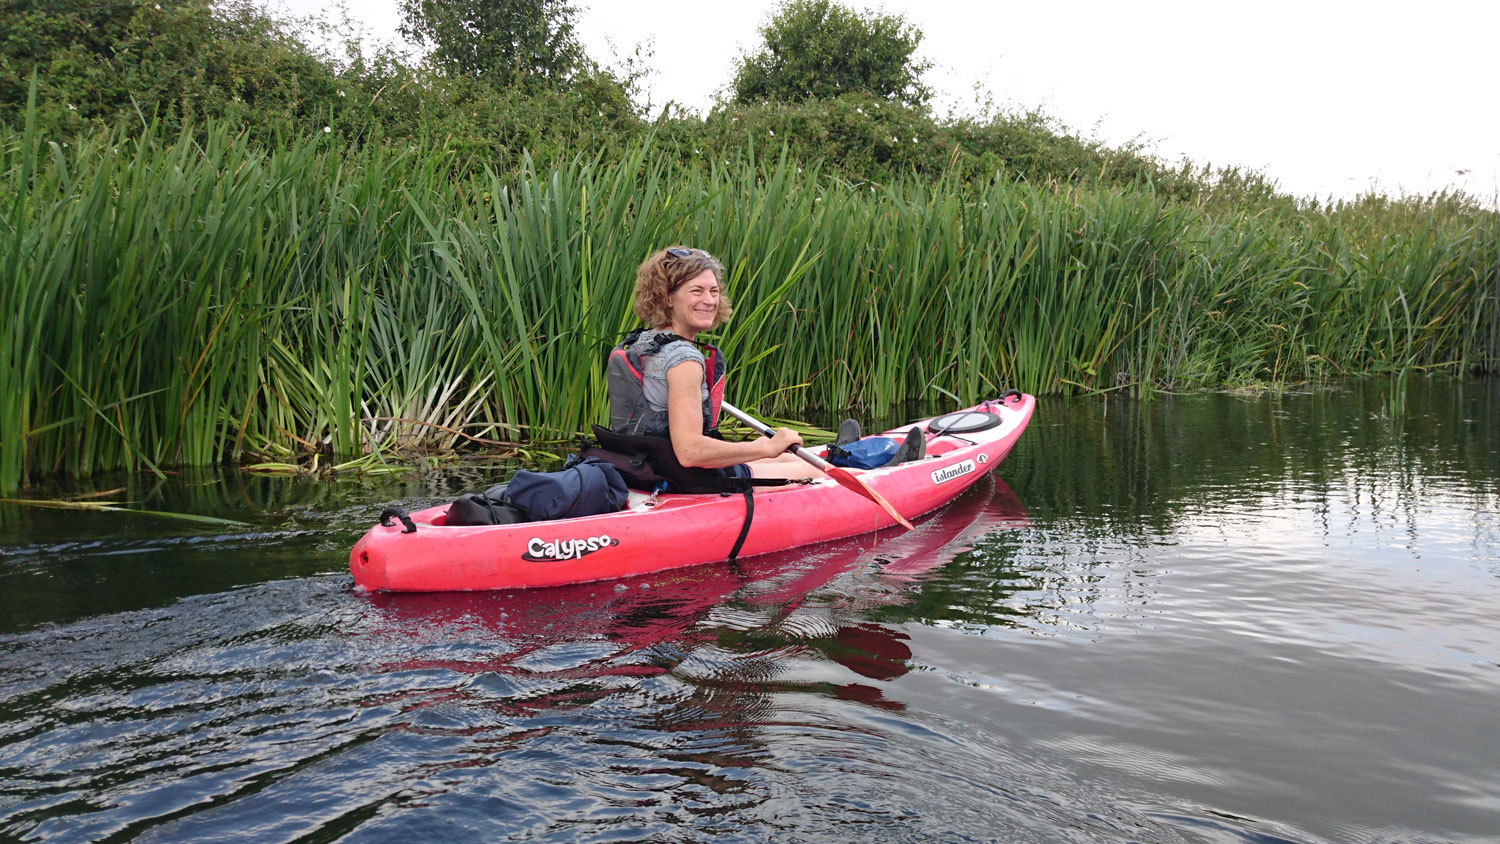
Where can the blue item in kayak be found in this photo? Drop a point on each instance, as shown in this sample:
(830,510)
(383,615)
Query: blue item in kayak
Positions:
(868,453)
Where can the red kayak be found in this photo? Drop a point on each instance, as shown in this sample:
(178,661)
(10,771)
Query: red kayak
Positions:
(652,535)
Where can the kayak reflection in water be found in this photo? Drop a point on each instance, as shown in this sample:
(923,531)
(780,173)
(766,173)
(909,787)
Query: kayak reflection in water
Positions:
(663,383)
(754,626)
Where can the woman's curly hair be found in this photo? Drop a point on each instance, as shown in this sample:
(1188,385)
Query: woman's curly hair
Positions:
(660,275)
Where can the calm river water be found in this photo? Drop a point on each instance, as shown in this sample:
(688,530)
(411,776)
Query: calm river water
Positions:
(1200,619)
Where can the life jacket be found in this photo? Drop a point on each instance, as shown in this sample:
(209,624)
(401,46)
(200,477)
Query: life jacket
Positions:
(638,440)
(629,411)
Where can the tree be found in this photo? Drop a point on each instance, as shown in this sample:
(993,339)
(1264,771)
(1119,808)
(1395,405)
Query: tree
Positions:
(815,49)
(504,42)
(104,62)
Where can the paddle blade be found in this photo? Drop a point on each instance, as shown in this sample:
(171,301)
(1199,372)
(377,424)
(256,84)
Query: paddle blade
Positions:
(848,481)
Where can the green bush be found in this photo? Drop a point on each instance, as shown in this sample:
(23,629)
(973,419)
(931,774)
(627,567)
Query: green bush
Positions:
(183,62)
(106,64)
(820,49)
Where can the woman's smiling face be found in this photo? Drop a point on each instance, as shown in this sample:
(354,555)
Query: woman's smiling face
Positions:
(695,304)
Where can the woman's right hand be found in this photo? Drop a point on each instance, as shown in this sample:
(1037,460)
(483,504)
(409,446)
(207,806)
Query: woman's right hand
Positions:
(783,441)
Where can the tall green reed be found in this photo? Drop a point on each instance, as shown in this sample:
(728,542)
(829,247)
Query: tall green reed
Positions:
(186,299)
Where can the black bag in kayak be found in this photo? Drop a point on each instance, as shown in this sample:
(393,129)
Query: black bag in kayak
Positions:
(490,507)
(585,486)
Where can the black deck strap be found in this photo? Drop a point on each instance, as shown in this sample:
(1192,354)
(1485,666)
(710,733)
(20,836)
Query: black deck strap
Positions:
(774,481)
(389,512)
(749,493)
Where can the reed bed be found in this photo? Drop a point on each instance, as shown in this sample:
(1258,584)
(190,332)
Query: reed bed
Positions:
(191,299)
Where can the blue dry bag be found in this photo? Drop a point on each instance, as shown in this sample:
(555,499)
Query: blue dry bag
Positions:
(868,453)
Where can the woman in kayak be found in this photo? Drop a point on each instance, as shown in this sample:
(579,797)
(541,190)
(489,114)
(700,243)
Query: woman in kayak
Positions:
(663,383)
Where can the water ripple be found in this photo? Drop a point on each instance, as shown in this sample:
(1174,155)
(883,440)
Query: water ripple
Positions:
(1247,623)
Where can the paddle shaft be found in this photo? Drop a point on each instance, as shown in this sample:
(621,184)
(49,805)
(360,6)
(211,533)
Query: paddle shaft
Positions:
(763,428)
(840,475)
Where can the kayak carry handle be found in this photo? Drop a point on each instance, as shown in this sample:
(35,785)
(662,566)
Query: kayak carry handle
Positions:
(387,513)
(1006,396)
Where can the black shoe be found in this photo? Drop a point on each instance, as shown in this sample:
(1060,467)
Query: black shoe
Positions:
(848,432)
(914,447)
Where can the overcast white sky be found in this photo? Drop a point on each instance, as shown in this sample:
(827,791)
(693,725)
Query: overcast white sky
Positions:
(1328,97)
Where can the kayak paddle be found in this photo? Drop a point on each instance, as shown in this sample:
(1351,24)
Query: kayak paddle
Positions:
(839,474)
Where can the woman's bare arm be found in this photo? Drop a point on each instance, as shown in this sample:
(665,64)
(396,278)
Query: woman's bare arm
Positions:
(685,425)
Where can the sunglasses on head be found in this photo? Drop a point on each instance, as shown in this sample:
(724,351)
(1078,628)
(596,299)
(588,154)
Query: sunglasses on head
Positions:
(681,251)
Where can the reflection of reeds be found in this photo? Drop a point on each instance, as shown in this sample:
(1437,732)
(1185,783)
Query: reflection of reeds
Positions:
(189,300)
(92,504)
